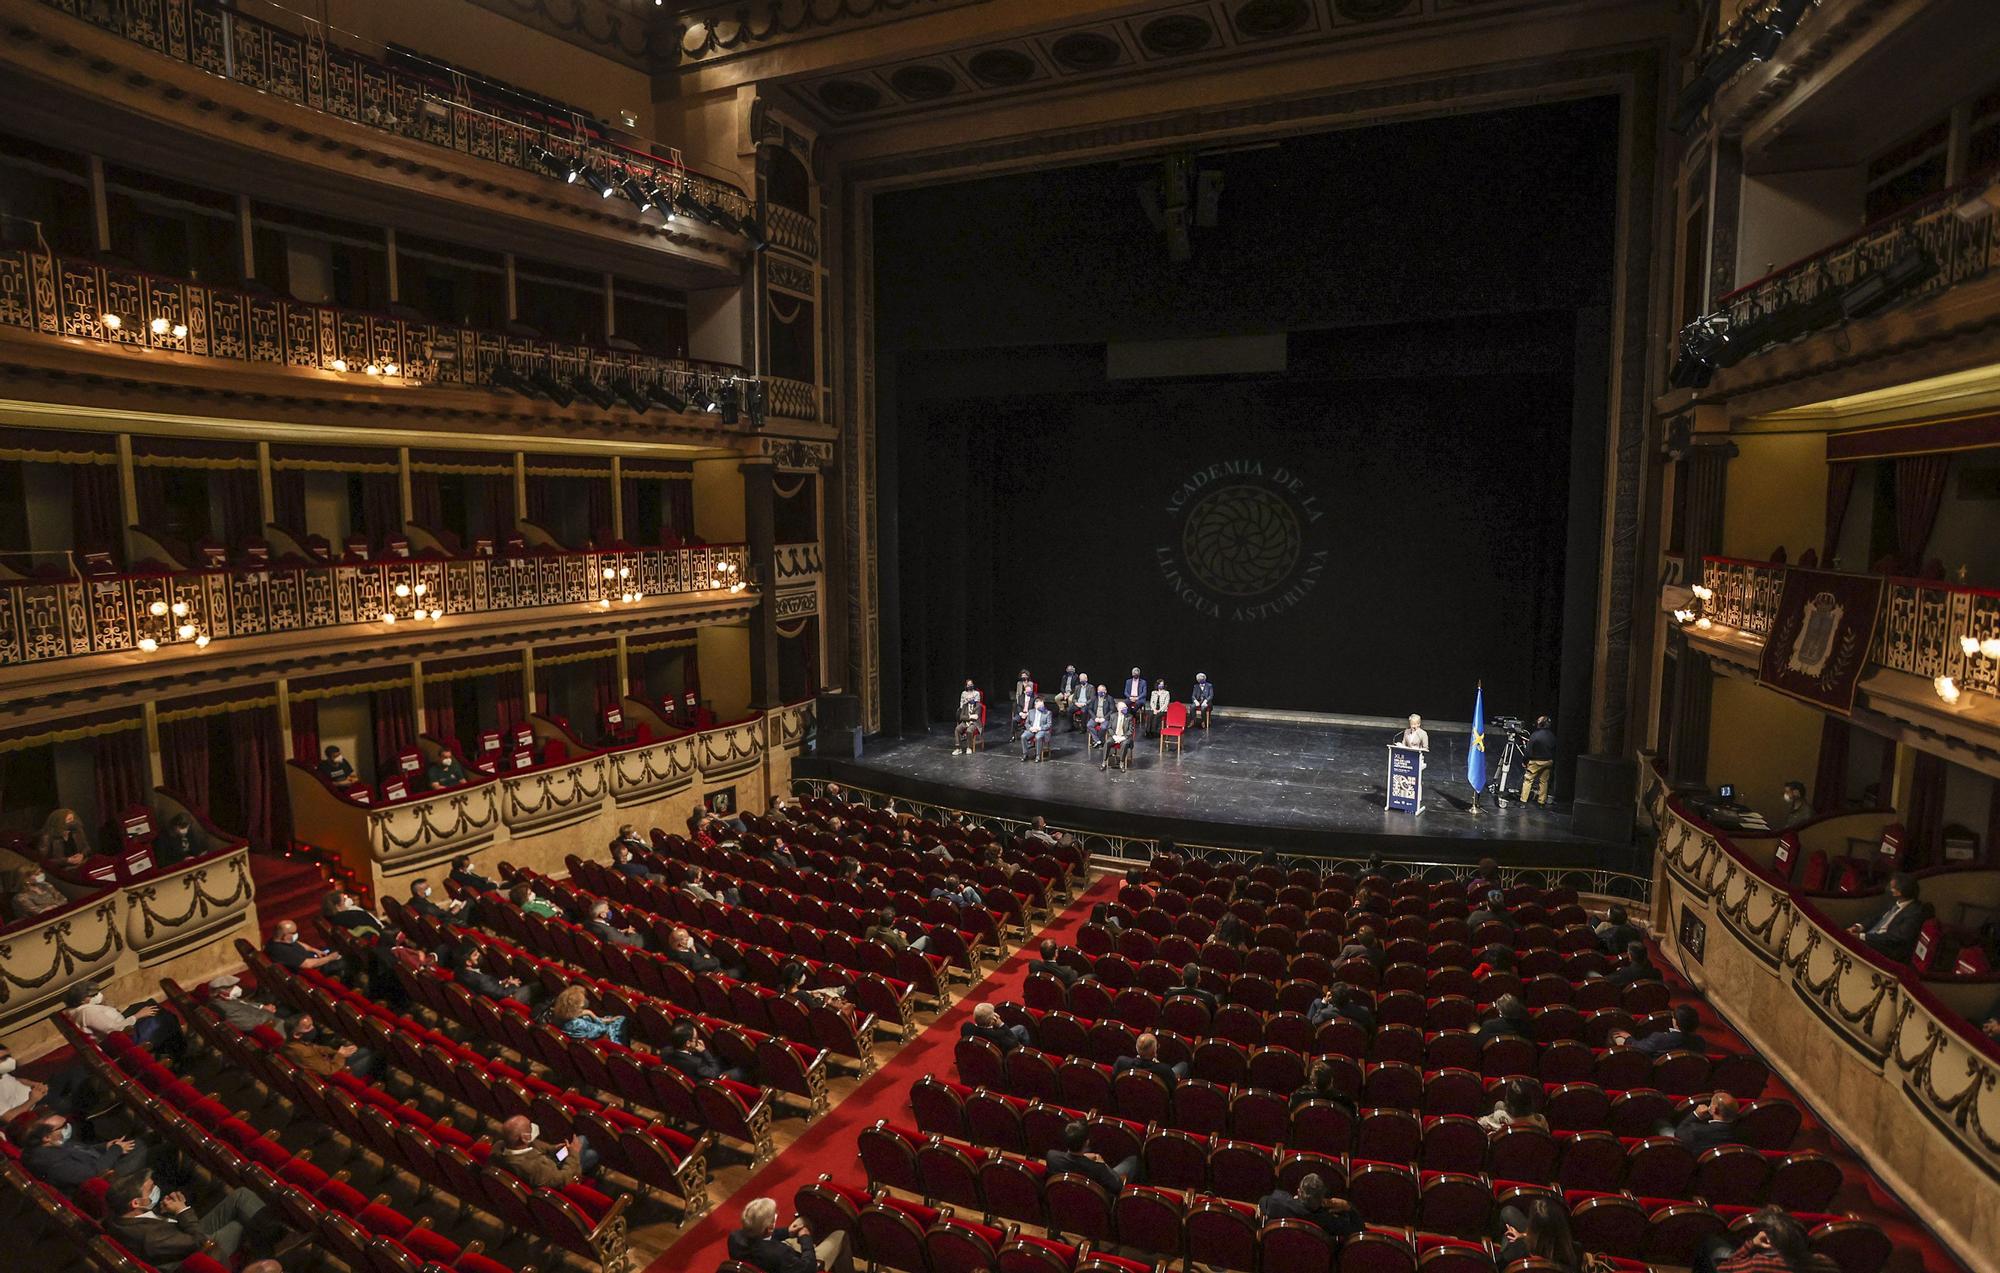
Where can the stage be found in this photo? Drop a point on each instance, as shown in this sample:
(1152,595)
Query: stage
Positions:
(1293,782)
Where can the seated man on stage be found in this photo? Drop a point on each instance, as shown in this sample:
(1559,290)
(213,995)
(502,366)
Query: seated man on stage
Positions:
(967,730)
(1035,738)
(1079,702)
(1201,701)
(1156,708)
(1023,703)
(1135,691)
(1098,718)
(1066,692)
(1118,737)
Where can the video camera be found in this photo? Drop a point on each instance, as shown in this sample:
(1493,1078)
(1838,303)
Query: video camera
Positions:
(1510,727)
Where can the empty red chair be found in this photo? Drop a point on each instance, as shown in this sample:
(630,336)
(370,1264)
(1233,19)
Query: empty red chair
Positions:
(1146,1217)
(1383,1193)
(1660,1167)
(1454,1203)
(1453,1142)
(1804,1181)
(1611,1224)
(1221,1234)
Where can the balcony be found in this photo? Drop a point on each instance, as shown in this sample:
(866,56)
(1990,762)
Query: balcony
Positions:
(744,761)
(79,632)
(134,313)
(224,68)
(1919,638)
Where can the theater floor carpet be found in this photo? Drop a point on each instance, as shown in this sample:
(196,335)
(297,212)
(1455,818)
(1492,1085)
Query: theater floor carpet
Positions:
(829,1144)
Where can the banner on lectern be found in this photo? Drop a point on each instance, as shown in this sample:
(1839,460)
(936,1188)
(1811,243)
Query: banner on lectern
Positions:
(1405,779)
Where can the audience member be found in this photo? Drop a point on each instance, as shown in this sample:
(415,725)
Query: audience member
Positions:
(157,1030)
(688,1051)
(1148,1059)
(164,1229)
(62,841)
(1493,910)
(1798,810)
(1321,1085)
(759,1244)
(957,891)
(1191,988)
(629,839)
(1518,1106)
(1893,930)
(464,876)
(1711,1123)
(1681,1036)
(1509,1020)
(986,1024)
(1637,967)
(1768,1241)
(1335,1217)
(690,954)
(322,1053)
(885,931)
(697,885)
(523,1154)
(1053,966)
(1618,931)
(1494,959)
(341,909)
(602,926)
(570,1013)
(238,1009)
(286,948)
(334,769)
(178,841)
(473,976)
(1366,945)
(530,902)
(1542,1233)
(51,1151)
(1075,1155)
(34,894)
(424,901)
(445,772)
(18,1094)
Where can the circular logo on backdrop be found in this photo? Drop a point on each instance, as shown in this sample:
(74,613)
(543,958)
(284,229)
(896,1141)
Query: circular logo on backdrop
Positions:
(1241,544)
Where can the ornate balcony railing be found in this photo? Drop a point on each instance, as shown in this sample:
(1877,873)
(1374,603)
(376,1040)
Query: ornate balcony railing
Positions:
(43,619)
(132,309)
(1921,630)
(791,399)
(791,230)
(308,69)
(1961,251)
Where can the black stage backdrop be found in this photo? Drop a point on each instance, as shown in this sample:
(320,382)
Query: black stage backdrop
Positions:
(1358,546)
(1411,505)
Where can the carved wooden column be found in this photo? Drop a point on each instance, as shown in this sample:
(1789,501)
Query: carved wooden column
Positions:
(1707,472)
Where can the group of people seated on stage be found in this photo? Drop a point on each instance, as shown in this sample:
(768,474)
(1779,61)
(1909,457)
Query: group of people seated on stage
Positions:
(1112,724)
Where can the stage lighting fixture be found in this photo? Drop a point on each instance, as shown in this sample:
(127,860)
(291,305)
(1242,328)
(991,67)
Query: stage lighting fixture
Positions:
(551,388)
(1876,289)
(637,194)
(687,205)
(111,321)
(599,182)
(630,396)
(667,398)
(180,331)
(732,402)
(552,164)
(703,399)
(661,198)
(590,389)
(754,402)
(753,230)
(506,379)
(338,364)
(160,326)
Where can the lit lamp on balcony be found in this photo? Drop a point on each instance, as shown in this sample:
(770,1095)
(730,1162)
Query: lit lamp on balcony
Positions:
(1947,689)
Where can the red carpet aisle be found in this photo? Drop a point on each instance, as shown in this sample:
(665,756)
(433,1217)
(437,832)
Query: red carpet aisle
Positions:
(287,888)
(829,1145)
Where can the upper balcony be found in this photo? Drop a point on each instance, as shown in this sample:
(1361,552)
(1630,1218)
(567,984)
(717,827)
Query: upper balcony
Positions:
(82,324)
(1928,671)
(216,94)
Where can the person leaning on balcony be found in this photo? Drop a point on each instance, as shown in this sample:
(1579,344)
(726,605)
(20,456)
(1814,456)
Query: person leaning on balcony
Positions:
(34,894)
(1893,930)
(62,841)
(334,769)
(444,772)
(178,841)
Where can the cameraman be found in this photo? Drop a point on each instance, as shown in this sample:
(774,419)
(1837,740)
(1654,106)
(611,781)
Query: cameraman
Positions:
(1541,760)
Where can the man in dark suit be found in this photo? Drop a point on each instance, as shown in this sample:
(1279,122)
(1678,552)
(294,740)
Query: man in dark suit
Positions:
(1893,930)
(52,1152)
(1711,1123)
(1335,1216)
(1492,910)
(1049,964)
(1681,1037)
(1637,967)
(285,948)
(1149,1060)
(178,841)
(163,1229)
(624,863)
(464,876)
(986,1024)
(424,901)
(600,926)
(1191,988)
(340,909)
(759,1244)
(1075,1155)
(1618,931)
(690,954)
(689,1053)
(473,976)
(1509,1020)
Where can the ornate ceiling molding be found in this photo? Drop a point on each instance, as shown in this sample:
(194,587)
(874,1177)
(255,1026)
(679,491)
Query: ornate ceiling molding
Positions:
(705,34)
(622,30)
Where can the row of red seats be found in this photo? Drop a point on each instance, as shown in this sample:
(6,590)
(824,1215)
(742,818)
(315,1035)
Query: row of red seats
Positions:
(1019,891)
(1475,883)
(613,969)
(314,1202)
(1054,872)
(1391,1098)
(1656,1166)
(578,1217)
(1282,1066)
(1148,995)
(1338,910)
(649,1152)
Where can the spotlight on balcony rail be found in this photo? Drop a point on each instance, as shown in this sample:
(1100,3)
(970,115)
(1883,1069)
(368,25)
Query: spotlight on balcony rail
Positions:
(506,379)
(687,205)
(390,368)
(667,398)
(703,399)
(1878,288)
(1947,689)
(201,642)
(663,199)
(630,396)
(590,389)
(551,164)
(753,230)
(180,609)
(637,194)
(111,321)
(599,182)
(551,388)
(158,609)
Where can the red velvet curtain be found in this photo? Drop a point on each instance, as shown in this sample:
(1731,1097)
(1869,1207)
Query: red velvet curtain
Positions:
(257,748)
(1919,494)
(597,496)
(120,762)
(539,499)
(288,499)
(382,506)
(1924,820)
(605,683)
(427,500)
(679,518)
(441,714)
(305,731)
(184,760)
(395,724)
(1839,491)
(628,500)
(507,700)
(97,513)
(1829,791)
(242,506)
(149,484)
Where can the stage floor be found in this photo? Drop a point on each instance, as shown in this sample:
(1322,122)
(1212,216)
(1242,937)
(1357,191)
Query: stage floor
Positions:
(1301,783)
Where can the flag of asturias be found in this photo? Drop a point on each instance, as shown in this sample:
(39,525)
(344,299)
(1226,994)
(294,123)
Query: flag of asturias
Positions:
(1475,757)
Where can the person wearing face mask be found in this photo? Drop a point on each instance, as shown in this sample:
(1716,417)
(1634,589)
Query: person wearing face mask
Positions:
(156,1030)
(61,840)
(311,1048)
(1797,811)
(17,1093)
(68,1091)
(340,909)
(445,772)
(464,876)
(178,841)
(286,949)
(523,1153)
(52,1152)
(473,976)
(966,733)
(163,1228)
(450,910)
(36,894)
(226,994)
(600,926)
